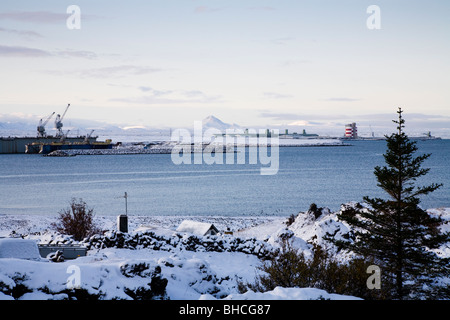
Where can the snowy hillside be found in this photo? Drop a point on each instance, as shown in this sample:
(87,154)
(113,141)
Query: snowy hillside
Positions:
(213,122)
(155,261)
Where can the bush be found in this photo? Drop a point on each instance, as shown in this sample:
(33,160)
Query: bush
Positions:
(313,209)
(290,220)
(76,221)
(290,268)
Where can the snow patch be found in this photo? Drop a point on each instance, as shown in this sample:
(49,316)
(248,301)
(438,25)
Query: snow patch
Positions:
(280,293)
(19,249)
(156,262)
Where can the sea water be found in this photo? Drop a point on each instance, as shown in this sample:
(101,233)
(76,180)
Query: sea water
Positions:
(326,176)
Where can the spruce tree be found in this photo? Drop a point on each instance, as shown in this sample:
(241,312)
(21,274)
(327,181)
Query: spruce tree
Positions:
(397,233)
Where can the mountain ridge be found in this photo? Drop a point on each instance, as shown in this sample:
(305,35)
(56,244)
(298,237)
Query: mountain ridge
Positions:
(213,122)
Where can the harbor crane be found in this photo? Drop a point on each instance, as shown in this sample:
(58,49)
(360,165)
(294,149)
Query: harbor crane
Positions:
(41,126)
(88,136)
(64,136)
(59,124)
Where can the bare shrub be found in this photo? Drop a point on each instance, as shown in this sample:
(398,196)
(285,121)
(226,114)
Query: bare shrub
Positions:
(290,268)
(77,220)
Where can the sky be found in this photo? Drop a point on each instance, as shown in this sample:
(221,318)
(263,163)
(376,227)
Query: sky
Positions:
(167,63)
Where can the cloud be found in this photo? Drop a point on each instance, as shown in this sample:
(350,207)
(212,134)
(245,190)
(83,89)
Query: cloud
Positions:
(301,123)
(206,9)
(153,92)
(27,52)
(44,17)
(133,127)
(290,63)
(169,97)
(41,17)
(107,72)
(145,89)
(275,95)
(382,121)
(283,40)
(262,8)
(24,33)
(286,116)
(150,99)
(118,71)
(193,93)
(342,99)
(18,51)
(432,120)
(19,116)
(76,54)
(279,116)
(200,96)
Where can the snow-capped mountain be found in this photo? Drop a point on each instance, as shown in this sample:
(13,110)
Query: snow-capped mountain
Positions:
(213,122)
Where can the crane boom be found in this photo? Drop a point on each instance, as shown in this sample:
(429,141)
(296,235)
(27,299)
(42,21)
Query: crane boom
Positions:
(68,105)
(41,126)
(59,124)
(88,136)
(48,119)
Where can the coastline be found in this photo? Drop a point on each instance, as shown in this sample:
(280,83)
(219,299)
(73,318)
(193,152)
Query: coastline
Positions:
(167,147)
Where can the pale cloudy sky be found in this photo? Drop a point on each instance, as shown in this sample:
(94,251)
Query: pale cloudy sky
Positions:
(252,62)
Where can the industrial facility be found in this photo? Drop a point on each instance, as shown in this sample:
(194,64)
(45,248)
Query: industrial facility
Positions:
(44,143)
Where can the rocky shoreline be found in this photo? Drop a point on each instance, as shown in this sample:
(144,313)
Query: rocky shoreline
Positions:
(167,147)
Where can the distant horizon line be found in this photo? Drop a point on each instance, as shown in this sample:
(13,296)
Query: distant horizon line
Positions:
(378,125)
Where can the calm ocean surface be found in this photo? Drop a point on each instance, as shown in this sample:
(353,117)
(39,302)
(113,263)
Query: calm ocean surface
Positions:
(327,176)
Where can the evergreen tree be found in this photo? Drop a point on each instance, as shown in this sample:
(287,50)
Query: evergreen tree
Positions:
(397,233)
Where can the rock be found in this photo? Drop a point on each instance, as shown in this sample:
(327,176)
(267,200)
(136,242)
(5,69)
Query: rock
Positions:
(141,269)
(141,240)
(56,256)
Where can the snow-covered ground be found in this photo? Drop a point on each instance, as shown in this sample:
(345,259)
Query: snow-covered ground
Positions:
(154,255)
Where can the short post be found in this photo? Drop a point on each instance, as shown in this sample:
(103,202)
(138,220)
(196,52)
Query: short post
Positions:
(122,220)
(122,223)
